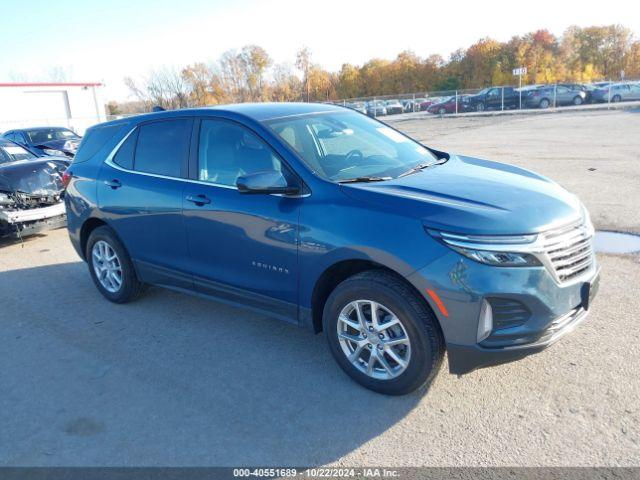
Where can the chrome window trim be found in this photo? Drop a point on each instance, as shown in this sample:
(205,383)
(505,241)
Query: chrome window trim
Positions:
(109,161)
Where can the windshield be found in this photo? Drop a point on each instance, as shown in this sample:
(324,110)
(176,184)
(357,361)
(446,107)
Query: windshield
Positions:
(341,146)
(48,134)
(10,152)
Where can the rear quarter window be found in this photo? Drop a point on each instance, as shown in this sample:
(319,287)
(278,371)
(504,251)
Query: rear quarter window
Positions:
(124,155)
(94,139)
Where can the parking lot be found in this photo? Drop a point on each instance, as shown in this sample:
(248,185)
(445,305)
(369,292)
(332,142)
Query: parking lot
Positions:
(178,380)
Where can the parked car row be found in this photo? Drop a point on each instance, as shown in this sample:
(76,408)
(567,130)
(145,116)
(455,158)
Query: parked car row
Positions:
(506,98)
(380,108)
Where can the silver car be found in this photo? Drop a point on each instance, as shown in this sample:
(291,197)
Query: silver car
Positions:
(545,97)
(617,92)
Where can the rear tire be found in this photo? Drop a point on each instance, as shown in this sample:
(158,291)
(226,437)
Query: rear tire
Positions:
(423,345)
(111,267)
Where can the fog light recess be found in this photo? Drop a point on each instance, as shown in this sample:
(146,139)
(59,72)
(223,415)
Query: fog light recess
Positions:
(485,321)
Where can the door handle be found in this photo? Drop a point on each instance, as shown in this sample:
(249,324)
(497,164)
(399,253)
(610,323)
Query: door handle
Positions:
(199,200)
(114,184)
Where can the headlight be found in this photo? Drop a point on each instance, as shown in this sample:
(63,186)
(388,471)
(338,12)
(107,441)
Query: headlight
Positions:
(50,151)
(5,199)
(69,145)
(497,250)
(500,259)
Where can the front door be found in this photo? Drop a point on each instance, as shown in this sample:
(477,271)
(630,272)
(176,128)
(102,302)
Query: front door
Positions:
(243,247)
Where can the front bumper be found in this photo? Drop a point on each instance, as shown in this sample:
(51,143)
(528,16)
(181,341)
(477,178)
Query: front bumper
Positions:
(28,222)
(551,309)
(466,358)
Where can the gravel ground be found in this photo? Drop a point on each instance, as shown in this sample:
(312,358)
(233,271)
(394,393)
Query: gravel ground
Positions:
(176,380)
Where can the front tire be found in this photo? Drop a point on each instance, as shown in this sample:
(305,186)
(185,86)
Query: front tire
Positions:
(111,267)
(616,98)
(480,107)
(578,100)
(544,103)
(382,334)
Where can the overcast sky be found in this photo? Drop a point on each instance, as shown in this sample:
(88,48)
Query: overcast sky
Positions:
(109,39)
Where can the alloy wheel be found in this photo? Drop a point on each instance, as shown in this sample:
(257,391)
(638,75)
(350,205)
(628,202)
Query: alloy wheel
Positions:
(373,339)
(107,266)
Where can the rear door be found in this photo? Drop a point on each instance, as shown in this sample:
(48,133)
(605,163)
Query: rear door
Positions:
(564,96)
(140,192)
(243,247)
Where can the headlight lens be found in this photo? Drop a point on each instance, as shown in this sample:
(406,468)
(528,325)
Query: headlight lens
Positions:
(5,199)
(50,151)
(499,259)
(497,250)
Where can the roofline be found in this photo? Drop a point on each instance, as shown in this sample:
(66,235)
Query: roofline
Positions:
(51,84)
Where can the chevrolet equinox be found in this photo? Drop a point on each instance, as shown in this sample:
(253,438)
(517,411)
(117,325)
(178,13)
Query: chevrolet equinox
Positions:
(328,219)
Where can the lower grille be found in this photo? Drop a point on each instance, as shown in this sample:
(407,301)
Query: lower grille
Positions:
(507,338)
(569,250)
(508,313)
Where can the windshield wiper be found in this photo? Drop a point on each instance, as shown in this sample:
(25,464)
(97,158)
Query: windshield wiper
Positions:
(421,166)
(364,179)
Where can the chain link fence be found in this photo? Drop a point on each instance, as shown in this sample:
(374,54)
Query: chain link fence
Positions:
(498,98)
(445,102)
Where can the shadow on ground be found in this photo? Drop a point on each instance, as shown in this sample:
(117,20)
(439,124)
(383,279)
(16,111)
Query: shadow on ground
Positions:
(169,380)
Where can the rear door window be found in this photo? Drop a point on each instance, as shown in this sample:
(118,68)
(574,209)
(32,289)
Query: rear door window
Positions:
(163,147)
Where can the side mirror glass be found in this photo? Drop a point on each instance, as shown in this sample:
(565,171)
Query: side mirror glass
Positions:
(266,182)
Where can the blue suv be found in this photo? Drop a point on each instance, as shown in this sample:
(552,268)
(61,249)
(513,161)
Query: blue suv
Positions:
(331,220)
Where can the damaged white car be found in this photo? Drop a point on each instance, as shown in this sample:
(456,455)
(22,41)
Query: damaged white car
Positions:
(31,191)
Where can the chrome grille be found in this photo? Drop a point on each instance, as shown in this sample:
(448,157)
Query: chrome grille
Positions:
(569,250)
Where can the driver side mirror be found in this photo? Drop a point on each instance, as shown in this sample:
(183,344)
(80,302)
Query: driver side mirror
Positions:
(266,182)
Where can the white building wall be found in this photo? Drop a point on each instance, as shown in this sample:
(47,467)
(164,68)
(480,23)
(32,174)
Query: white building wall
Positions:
(73,106)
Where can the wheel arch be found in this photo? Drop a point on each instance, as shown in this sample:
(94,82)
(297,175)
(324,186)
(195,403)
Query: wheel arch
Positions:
(336,273)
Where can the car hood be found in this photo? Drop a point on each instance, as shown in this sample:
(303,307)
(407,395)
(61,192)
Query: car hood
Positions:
(33,177)
(473,196)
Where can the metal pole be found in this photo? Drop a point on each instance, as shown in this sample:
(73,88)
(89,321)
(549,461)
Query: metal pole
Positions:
(413,104)
(609,95)
(555,95)
(456,102)
(375,108)
(502,107)
(520,91)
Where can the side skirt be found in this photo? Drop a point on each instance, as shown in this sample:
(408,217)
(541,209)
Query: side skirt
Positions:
(185,283)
